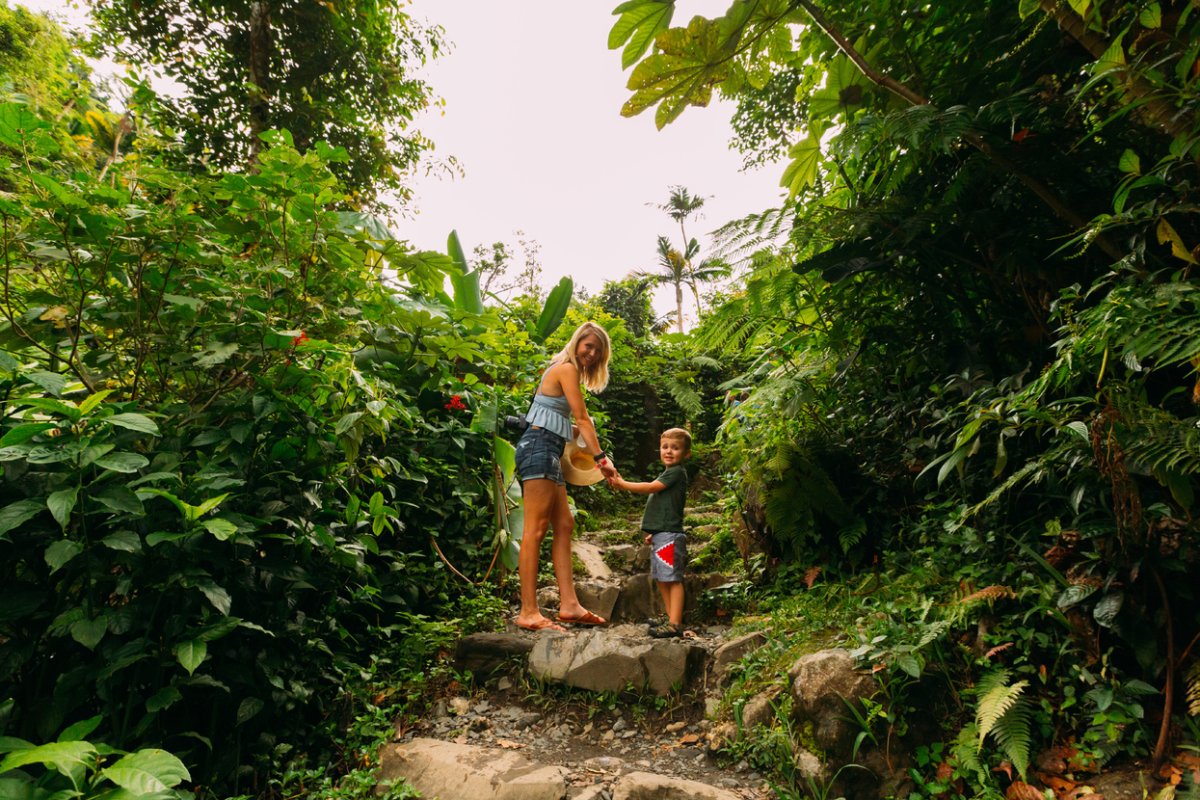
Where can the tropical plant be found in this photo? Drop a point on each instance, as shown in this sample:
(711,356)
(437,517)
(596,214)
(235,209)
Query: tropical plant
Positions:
(344,76)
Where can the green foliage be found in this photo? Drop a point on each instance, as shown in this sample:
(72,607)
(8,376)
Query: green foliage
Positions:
(1000,712)
(82,769)
(342,75)
(235,458)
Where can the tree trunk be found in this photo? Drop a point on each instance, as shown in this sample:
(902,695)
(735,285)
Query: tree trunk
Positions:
(679,304)
(1157,112)
(260,74)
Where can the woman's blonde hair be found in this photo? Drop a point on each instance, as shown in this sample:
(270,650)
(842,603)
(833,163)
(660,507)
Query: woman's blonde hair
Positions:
(595,377)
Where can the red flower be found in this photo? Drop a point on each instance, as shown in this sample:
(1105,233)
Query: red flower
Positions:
(455,404)
(1021,135)
(301,339)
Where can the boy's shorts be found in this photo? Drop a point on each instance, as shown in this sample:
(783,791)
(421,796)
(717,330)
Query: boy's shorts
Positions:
(668,556)
(538,455)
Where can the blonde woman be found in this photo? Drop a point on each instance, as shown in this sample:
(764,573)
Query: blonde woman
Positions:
(558,402)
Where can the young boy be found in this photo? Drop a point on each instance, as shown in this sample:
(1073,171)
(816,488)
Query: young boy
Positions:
(662,523)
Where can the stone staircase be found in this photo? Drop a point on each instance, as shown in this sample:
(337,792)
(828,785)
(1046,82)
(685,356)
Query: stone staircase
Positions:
(602,713)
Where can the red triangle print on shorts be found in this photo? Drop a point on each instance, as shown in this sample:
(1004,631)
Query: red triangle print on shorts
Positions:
(666,554)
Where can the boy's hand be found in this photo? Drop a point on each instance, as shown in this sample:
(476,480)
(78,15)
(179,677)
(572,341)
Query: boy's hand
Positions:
(649,539)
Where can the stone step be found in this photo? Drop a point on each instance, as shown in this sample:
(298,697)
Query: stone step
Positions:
(454,771)
(616,659)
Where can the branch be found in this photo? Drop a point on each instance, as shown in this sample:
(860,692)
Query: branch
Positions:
(1041,190)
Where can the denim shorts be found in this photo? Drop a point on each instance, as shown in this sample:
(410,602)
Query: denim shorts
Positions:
(538,454)
(668,556)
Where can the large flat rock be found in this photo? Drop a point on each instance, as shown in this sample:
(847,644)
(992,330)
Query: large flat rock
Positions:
(614,659)
(648,786)
(449,771)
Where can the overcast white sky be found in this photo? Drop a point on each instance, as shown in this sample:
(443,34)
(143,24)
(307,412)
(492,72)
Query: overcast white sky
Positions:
(533,98)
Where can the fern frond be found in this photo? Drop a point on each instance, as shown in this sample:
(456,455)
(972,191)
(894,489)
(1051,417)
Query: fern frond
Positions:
(965,752)
(1193,689)
(988,594)
(995,702)
(1014,732)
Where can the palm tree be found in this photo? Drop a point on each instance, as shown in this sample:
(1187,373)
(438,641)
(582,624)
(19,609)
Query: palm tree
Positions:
(679,269)
(680,205)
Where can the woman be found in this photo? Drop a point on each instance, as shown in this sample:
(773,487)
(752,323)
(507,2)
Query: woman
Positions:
(558,400)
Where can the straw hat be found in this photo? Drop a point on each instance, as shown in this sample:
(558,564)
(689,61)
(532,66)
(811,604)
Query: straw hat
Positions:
(578,466)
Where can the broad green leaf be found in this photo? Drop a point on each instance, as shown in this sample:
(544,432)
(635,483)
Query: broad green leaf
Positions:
(18,513)
(640,21)
(147,772)
(1130,163)
(123,541)
(194,513)
(89,632)
(216,353)
(1080,429)
(59,553)
(89,455)
(62,503)
(163,698)
(220,528)
(62,407)
(80,730)
(693,60)
(554,311)
(52,382)
(92,400)
(347,422)
(119,497)
(64,757)
(17,122)
(455,250)
(134,422)
(1073,594)
(248,708)
(23,433)
(802,170)
(191,653)
(1108,607)
(1027,8)
(123,462)
(506,458)
(909,663)
(217,596)
(1151,16)
(1080,7)
(1113,59)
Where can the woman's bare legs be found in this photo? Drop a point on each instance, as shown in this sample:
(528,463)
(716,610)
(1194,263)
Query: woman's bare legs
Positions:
(540,497)
(563,523)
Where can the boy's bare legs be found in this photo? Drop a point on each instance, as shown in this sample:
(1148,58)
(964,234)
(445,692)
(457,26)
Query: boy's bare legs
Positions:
(672,597)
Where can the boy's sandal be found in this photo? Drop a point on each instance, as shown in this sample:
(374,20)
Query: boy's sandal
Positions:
(666,631)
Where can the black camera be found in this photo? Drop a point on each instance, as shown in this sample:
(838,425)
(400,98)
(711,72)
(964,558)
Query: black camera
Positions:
(515,424)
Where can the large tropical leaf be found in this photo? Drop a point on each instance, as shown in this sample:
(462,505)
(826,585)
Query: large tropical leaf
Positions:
(639,22)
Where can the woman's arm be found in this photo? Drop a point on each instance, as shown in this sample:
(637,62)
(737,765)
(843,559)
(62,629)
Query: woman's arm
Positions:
(567,377)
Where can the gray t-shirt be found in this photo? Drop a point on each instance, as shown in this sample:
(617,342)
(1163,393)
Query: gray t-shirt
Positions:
(664,510)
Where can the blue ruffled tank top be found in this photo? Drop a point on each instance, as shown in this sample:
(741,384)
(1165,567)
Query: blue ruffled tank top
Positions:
(551,413)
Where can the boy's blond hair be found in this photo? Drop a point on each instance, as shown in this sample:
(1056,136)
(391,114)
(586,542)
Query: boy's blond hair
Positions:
(679,434)
(595,377)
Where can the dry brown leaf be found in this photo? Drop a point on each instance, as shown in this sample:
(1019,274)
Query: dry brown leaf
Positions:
(689,739)
(810,576)
(1019,790)
(1000,648)
(508,744)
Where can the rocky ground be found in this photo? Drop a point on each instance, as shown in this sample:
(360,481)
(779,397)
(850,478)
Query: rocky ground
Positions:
(597,713)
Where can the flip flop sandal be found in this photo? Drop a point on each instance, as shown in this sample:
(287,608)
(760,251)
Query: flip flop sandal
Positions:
(586,618)
(541,625)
